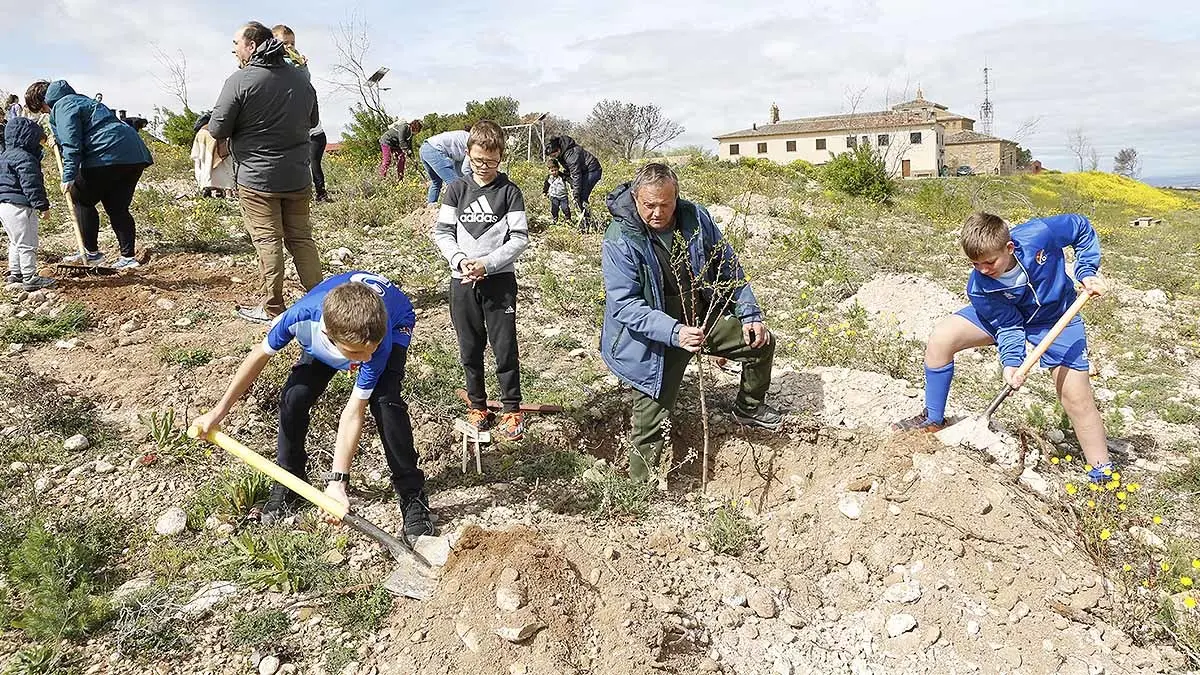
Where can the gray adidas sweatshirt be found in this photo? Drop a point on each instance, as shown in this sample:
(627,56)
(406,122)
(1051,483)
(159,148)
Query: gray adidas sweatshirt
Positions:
(482,222)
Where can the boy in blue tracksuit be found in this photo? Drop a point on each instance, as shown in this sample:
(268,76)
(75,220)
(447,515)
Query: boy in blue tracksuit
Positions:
(1018,290)
(356,321)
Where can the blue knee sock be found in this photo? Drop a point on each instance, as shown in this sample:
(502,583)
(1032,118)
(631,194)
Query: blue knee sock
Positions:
(937,390)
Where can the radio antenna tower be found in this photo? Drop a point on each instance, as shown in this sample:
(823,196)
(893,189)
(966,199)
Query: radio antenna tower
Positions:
(985,110)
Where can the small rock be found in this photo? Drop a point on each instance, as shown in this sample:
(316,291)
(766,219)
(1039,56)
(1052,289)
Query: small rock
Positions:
(102,467)
(129,588)
(518,669)
(1056,435)
(957,548)
(268,666)
(858,571)
(664,604)
(707,665)
(417,636)
(209,596)
(973,628)
(164,304)
(18,467)
(520,633)
(850,507)
(610,553)
(1154,298)
(792,618)
(734,600)
(76,443)
(287,668)
(762,603)
(183,322)
(470,637)
(1148,538)
(903,592)
(510,598)
(434,549)
(172,522)
(894,509)
(899,624)
(1061,623)
(577,353)
(782,667)
(749,631)
(130,326)
(509,575)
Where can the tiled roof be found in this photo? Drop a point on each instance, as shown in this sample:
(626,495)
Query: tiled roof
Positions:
(918,103)
(835,123)
(962,137)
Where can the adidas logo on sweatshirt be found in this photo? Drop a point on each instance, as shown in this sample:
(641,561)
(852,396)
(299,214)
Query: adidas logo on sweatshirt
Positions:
(478,212)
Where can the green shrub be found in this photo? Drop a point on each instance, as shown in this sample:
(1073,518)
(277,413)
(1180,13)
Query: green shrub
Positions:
(282,560)
(614,495)
(230,497)
(146,624)
(859,173)
(39,660)
(260,628)
(188,357)
(36,329)
(728,530)
(56,576)
(362,611)
(338,658)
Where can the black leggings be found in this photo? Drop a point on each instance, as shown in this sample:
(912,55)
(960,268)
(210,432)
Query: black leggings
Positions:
(316,150)
(112,186)
(481,313)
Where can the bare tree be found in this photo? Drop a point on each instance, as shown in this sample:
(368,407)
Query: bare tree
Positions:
(631,130)
(1081,147)
(1127,163)
(350,72)
(174,81)
(1026,128)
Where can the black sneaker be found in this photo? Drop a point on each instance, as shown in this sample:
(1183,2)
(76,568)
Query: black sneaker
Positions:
(14,278)
(417,518)
(281,504)
(764,417)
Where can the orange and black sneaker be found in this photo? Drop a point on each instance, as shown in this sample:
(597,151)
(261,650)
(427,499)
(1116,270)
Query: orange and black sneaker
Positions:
(479,418)
(511,426)
(920,423)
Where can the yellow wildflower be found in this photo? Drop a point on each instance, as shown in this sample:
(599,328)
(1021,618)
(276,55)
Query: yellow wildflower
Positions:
(1165,566)
(1122,495)
(1105,534)
(1054,460)
(1087,467)
(1111,485)
(1196,564)
(1157,520)
(1122,507)
(1189,602)
(1116,475)
(1071,489)
(1186,582)
(1128,567)
(1091,503)
(1068,458)
(1093,487)
(1133,487)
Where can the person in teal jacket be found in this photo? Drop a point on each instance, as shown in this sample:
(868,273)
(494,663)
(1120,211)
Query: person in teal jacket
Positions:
(103,159)
(1018,290)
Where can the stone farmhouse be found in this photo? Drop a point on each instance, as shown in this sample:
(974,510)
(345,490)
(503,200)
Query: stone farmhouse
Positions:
(918,139)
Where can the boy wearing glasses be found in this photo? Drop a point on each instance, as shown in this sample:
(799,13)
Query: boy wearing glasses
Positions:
(481,230)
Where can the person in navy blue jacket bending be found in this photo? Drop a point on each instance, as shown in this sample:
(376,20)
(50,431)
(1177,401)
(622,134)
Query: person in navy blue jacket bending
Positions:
(359,322)
(1018,290)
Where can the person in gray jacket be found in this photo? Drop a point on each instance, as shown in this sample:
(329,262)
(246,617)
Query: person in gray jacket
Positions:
(265,112)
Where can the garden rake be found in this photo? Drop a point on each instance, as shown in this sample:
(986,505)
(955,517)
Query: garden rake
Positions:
(413,575)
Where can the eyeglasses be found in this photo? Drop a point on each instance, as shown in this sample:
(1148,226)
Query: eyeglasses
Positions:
(484,163)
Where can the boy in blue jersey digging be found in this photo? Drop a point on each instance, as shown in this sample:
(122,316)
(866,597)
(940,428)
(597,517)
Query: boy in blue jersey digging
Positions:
(353,321)
(1018,290)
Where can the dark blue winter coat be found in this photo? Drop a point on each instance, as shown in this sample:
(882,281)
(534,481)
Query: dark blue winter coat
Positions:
(1048,292)
(89,134)
(21,180)
(636,330)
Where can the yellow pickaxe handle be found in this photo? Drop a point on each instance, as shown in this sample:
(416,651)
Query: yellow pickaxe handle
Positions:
(70,201)
(319,499)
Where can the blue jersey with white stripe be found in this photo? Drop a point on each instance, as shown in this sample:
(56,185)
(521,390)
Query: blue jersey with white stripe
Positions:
(302,322)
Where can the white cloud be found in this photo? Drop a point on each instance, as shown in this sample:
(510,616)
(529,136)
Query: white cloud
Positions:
(1119,70)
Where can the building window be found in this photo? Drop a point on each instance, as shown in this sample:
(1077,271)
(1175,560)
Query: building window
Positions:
(762,148)
(915,138)
(865,140)
(820,143)
(851,142)
(791,146)
(882,140)
(734,149)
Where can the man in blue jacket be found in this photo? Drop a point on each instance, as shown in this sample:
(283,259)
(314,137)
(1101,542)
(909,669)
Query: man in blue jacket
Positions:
(1018,290)
(674,288)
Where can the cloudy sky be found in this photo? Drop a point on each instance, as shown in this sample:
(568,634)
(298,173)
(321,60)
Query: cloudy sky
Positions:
(1123,72)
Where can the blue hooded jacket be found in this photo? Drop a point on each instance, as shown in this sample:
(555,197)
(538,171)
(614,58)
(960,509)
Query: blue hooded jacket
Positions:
(1050,291)
(636,330)
(21,181)
(89,134)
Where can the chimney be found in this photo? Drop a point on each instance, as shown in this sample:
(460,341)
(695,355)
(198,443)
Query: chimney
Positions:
(774,114)
(754,126)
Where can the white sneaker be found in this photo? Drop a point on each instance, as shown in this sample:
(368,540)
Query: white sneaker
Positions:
(124,263)
(92,257)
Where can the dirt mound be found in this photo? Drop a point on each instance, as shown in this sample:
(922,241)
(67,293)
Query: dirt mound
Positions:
(506,600)
(906,303)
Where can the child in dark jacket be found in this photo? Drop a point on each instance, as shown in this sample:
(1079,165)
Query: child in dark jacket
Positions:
(22,195)
(555,188)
